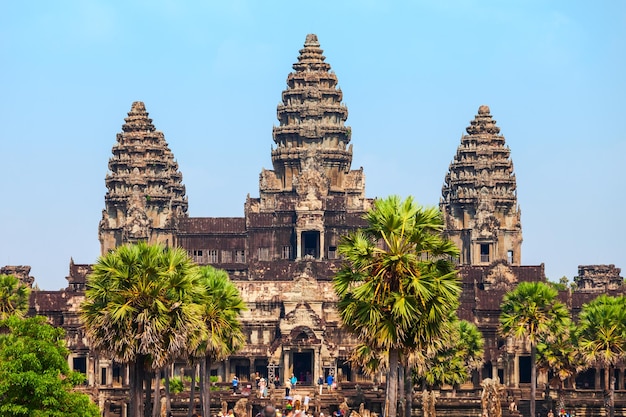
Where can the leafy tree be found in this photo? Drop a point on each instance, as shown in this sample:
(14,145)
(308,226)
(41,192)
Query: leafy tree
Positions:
(14,296)
(397,286)
(140,309)
(602,336)
(532,312)
(35,379)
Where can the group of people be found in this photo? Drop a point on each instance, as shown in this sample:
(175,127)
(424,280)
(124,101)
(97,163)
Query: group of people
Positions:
(291,411)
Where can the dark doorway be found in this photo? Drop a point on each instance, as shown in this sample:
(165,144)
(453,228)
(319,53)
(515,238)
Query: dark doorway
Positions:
(80,365)
(303,367)
(586,379)
(311,244)
(524,369)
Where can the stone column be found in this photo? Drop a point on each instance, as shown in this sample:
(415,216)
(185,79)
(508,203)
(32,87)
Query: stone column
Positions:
(298,244)
(494,371)
(597,381)
(287,366)
(322,245)
(516,371)
(317,369)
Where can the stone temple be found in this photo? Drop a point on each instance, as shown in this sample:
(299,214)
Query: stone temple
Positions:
(283,253)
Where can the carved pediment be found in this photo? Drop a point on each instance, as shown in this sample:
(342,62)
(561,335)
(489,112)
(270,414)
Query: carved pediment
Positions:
(500,277)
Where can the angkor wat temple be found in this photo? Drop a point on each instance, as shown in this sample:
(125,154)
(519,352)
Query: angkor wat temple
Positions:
(283,253)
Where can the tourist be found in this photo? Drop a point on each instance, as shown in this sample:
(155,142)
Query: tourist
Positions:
(305,402)
(287,387)
(320,383)
(293,380)
(269,411)
(262,387)
(235,384)
(330,380)
(550,413)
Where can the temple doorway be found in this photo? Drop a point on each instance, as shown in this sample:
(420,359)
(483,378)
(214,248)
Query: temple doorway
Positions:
(311,244)
(303,367)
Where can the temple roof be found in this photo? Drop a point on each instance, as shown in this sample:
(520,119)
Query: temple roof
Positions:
(311,114)
(143,164)
(482,169)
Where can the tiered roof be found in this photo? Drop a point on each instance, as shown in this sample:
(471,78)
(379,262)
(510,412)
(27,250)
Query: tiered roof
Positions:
(143,163)
(482,168)
(311,115)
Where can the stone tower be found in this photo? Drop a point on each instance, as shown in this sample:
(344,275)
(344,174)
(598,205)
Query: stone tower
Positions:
(479,198)
(145,195)
(311,183)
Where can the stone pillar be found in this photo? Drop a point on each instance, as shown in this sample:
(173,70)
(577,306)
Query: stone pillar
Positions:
(298,244)
(317,369)
(516,371)
(322,245)
(91,380)
(620,378)
(494,371)
(597,381)
(287,366)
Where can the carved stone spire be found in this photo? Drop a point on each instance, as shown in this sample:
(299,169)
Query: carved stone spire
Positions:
(312,121)
(145,194)
(311,194)
(479,198)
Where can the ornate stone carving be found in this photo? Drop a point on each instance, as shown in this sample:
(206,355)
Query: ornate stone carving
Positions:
(479,198)
(145,189)
(500,277)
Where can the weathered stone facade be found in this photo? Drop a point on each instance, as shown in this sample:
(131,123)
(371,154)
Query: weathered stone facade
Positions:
(283,253)
(479,198)
(145,196)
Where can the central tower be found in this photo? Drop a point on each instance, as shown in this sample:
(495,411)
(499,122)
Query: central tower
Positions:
(312,189)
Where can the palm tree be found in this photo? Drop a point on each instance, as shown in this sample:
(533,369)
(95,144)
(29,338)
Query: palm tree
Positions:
(532,312)
(14,296)
(222,306)
(397,286)
(140,309)
(451,360)
(561,356)
(602,336)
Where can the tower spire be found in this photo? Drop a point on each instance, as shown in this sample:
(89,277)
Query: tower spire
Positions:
(479,197)
(145,194)
(312,120)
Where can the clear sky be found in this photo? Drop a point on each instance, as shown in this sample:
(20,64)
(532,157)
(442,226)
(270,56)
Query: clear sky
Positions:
(413,75)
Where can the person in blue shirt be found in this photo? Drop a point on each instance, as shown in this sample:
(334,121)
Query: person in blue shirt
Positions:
(293,381)
(329,381)
(235,384)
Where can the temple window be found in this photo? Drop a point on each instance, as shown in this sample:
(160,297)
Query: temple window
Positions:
(484,252)
(212,256)
(227,256)
(332,252)
(311,244)
(240,256)
(509,255)
(264,254)
(286,253)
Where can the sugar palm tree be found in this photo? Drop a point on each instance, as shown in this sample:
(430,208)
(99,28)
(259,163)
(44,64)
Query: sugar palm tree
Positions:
(532,312)
(451,360)
(222,306)
(140,309)
(14,296)
(602,336)
(397,285)
(561,356)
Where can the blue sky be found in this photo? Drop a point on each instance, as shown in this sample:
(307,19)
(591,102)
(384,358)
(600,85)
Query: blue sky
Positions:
(413,75)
